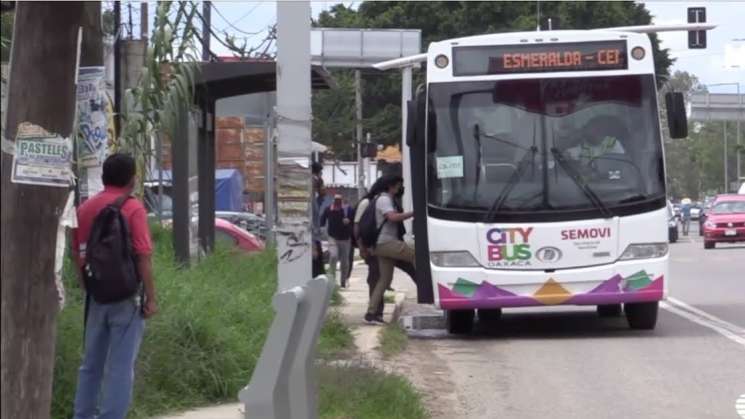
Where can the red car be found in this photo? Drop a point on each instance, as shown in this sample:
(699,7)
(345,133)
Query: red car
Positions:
(228,232)
(725,221)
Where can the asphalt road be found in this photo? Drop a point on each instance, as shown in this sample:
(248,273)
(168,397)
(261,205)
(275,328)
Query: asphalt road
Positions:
(568,363)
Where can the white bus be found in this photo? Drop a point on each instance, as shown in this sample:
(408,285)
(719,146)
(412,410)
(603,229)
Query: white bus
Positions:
(538,175)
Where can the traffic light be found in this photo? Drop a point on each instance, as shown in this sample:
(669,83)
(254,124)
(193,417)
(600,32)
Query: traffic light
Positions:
(697,39)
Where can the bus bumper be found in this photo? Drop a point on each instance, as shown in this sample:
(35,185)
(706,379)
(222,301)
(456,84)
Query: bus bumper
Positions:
(621,282)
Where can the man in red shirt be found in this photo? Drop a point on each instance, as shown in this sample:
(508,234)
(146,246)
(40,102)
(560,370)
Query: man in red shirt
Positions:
(113,332)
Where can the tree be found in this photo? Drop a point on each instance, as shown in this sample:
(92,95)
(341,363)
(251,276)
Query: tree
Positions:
(442,20)
(42,91)
(695,165)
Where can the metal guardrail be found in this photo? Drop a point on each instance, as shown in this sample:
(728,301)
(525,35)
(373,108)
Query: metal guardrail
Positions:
(282,385)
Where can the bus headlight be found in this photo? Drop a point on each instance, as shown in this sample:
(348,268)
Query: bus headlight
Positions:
(644,251)
(453,259)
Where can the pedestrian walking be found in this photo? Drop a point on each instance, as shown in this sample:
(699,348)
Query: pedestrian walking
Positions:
(116,273)
(317,267)
(389,246)
(338,216)
(685,215)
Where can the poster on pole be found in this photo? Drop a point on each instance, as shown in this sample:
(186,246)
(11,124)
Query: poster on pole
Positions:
(93,121)
(41,158)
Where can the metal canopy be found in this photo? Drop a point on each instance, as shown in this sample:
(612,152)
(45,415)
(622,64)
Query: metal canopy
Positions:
(361,48)
(717,107)
(225,79)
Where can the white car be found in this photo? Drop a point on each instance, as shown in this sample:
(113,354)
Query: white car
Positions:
(695,213)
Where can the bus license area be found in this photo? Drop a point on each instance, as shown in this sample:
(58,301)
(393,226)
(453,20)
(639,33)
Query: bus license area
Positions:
(542,60)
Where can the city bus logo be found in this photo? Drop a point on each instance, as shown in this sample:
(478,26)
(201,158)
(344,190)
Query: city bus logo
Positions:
(508,246)
(548,254)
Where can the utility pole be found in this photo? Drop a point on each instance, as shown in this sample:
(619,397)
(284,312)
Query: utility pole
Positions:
(144,22)
(358,107)
(117,66)
(207,14)
(726,165)
(41,91)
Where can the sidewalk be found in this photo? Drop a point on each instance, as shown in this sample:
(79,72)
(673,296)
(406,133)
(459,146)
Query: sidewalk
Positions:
(353,309)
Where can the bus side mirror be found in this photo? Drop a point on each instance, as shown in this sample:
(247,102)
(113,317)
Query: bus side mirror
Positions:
(677,121)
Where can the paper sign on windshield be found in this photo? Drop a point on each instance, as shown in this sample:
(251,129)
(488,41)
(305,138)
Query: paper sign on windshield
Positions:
(449,167)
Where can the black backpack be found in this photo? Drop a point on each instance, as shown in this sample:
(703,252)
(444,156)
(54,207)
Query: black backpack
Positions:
(110,269)
(368,225)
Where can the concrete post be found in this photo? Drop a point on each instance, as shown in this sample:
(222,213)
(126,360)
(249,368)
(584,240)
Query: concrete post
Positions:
(406,76)
(293,113)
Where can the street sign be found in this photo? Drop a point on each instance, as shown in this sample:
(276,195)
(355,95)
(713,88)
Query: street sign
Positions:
(697,39)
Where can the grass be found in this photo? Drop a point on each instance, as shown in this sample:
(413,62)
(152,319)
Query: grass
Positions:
(359,391)
(203,345)
(336,298)
(336,338)
(393,340)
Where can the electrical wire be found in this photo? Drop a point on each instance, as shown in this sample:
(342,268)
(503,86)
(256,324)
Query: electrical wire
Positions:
(232,25)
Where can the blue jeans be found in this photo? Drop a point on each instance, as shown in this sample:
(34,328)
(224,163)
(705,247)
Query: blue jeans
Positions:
(112,339)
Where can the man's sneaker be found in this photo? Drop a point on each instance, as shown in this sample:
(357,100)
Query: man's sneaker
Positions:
(373,319)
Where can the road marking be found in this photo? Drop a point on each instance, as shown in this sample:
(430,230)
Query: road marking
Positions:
(724,328)
(740,406)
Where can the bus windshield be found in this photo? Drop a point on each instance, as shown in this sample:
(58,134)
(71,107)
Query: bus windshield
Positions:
(549,149)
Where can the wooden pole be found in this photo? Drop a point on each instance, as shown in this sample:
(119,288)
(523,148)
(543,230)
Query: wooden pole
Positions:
(41,91)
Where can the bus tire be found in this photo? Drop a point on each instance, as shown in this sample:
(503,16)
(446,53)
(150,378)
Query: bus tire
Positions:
(642,315)
(489,316)
(459,322)
(609,310)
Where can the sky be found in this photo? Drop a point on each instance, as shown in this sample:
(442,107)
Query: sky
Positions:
(245,19)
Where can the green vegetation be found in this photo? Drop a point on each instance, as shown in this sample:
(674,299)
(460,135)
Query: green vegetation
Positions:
(695,165)
(336,299)
(333,109)
(203,345)
(393,340)
(336,338)
(362,392)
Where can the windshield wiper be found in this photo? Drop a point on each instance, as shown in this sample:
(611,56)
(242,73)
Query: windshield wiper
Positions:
(577,178)
(516,175)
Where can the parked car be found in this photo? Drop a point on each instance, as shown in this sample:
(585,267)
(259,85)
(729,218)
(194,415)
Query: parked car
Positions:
(702,217)
(227,232)
(254,224)
(695,212)
(726,221)
(672,224)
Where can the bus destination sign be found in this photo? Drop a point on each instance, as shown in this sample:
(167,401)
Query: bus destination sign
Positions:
(538,58)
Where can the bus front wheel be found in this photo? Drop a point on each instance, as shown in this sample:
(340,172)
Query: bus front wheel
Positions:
(642,315)
(459,322)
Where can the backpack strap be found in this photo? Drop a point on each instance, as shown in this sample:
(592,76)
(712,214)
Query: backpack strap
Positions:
(119,202)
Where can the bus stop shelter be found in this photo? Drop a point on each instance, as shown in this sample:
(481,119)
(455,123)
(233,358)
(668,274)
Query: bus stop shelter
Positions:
(193,146)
